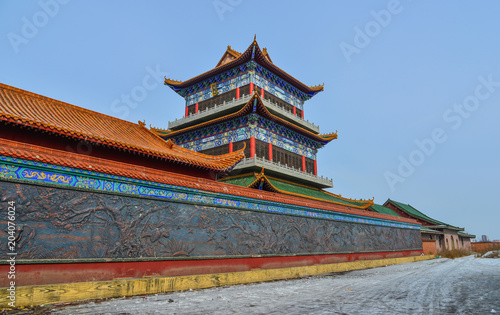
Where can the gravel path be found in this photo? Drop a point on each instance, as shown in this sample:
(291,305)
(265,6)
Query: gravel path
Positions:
(462,286)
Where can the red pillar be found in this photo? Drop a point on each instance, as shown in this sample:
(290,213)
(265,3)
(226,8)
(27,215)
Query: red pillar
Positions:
(196,109)
(251,88)
(294,110)
(231,147)
(262,93)
(237,92)
(270,151)
(315,168)
(304,163)
(302,114)
(187,111)
(252,147)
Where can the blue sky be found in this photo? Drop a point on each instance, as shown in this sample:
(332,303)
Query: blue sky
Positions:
(412,87)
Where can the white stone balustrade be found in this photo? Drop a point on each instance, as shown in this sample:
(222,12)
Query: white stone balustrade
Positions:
(273,107)
(284,169)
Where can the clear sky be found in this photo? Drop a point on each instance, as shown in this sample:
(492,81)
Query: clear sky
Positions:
(413,87)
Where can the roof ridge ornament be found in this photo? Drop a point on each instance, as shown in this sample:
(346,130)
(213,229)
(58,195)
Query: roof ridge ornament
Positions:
(168,81)
(170,143)
(254,44)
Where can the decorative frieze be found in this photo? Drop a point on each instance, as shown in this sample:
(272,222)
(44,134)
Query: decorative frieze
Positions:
(55,223)
(244,75)
(242,129)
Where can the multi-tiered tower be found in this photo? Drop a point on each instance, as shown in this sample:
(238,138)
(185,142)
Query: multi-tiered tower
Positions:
(247,100)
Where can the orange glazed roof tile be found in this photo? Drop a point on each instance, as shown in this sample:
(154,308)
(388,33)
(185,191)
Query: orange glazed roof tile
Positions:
(29,109)
(232,58)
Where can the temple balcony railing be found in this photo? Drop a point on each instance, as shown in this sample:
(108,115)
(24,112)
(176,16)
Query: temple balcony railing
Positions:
(288,115)
(209,113)
(285,171)
(226,107)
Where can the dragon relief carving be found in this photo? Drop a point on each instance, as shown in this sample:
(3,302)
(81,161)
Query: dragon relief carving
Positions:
(55,223)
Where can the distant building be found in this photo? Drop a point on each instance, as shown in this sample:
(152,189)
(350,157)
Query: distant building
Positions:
(485,238)
(435,233)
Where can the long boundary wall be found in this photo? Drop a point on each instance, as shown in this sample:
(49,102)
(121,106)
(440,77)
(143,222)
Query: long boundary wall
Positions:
(87,223)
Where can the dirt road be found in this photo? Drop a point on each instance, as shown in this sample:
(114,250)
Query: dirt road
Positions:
(462,286)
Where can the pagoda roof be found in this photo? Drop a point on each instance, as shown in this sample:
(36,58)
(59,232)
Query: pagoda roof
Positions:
(414,213)
(232,58)
(268,183)
(28,109)
(248,108)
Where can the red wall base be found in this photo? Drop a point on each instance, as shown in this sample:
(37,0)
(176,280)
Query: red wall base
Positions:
(67,272)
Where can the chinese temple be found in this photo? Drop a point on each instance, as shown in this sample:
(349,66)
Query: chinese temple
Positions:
(247,101)
(233,186)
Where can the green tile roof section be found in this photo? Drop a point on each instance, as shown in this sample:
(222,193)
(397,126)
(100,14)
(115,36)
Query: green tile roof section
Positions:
(240,181)
(423,229)
(417,214)
(381,209)
(287,187)
(315,193)
(465,234)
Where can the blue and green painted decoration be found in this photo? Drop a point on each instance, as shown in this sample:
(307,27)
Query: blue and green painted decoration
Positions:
(245,74)
(240,129)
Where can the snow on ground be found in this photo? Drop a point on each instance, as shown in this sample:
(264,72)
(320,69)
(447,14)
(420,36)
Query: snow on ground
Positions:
(465,285)
(492,254)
